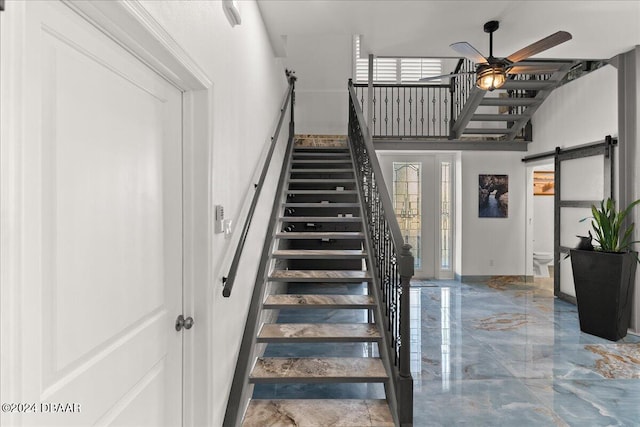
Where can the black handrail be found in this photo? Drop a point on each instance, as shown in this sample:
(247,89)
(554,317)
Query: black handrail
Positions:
(229,279)
(402,85)
(391,256)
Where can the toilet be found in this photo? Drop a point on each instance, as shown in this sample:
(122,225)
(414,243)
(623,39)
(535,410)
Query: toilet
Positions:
(541,262)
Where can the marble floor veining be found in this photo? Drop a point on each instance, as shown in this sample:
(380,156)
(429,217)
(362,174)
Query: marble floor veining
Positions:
(503,353)
(508,353)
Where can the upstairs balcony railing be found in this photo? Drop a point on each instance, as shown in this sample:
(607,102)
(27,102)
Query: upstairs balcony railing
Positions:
(394,263)
(429,111)
(461,86)
(406,111)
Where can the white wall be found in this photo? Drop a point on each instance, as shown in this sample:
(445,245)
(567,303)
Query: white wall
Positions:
(248,87)
(323,66)
(484,241)
(634,175)
(580,112)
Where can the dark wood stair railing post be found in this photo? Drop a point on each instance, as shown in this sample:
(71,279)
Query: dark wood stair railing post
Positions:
(405,382)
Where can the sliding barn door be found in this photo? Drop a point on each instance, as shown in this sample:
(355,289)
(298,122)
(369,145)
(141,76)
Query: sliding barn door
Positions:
(101,232)
(583,177)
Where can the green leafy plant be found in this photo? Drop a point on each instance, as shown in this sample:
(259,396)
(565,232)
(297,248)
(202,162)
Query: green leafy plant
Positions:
(607,223)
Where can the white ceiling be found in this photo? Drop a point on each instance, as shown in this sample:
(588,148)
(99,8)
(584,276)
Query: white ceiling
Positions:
(600,29)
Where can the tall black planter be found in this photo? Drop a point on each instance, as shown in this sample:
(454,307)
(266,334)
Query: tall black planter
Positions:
(604,287)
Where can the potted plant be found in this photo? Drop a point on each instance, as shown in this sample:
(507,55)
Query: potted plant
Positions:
(604,277)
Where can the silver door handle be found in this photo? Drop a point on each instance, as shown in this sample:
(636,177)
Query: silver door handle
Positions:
(181,322)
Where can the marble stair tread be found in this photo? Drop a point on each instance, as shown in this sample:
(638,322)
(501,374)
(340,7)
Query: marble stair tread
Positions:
(320,161)
(318,413)
(319,301)
(319,149)
(322,180)
(321,219)
(317,370)
(322,170)
(321,154)
(327,276)
(322,205)
(319,254)
(318,332)
(335,235)
(330,191)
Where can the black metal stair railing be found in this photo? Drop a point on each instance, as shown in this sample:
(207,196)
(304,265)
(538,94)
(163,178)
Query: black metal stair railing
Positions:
(461,86)
(407,110)
(394,263)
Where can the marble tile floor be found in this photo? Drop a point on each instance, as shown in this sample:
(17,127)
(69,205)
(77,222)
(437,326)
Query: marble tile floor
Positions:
(505,353)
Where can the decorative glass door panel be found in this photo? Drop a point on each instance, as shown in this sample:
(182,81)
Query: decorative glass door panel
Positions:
(407,204)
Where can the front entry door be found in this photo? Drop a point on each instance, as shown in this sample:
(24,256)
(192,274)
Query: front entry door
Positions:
(101,232)
(421,188)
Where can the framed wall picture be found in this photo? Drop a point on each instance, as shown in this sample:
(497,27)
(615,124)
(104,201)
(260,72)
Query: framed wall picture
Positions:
(543,183)
(493,196)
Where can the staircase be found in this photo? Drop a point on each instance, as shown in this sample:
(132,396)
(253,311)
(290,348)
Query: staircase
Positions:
(321,365)
(504,112)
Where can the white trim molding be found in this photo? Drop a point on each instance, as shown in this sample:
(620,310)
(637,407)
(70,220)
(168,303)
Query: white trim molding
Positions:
(130,24)
(12,85)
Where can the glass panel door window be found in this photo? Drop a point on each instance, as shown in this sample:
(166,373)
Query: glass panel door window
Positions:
(407,204)
(446,236)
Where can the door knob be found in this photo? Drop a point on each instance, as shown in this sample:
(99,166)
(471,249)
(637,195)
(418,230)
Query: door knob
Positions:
(181,322)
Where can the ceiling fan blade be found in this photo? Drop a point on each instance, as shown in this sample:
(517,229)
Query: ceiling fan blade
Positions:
(532,69)
(540,46)
(444,76)
(468,51)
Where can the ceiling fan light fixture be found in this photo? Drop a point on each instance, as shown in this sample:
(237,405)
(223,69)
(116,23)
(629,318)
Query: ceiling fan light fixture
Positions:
(490,77)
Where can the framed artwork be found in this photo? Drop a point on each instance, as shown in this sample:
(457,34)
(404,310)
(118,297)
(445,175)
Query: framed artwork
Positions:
(543,183)
(493,196)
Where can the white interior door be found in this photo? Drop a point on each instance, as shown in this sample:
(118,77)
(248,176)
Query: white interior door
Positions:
(101,234)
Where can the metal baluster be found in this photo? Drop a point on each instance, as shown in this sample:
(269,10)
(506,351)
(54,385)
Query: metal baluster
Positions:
(440,112)
(386,111)
(446,113)
(410,112)
(433,118)
(398,110)
(422,111)
(373,107)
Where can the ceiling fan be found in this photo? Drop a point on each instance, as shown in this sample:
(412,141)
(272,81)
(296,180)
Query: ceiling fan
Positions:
(492,72)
